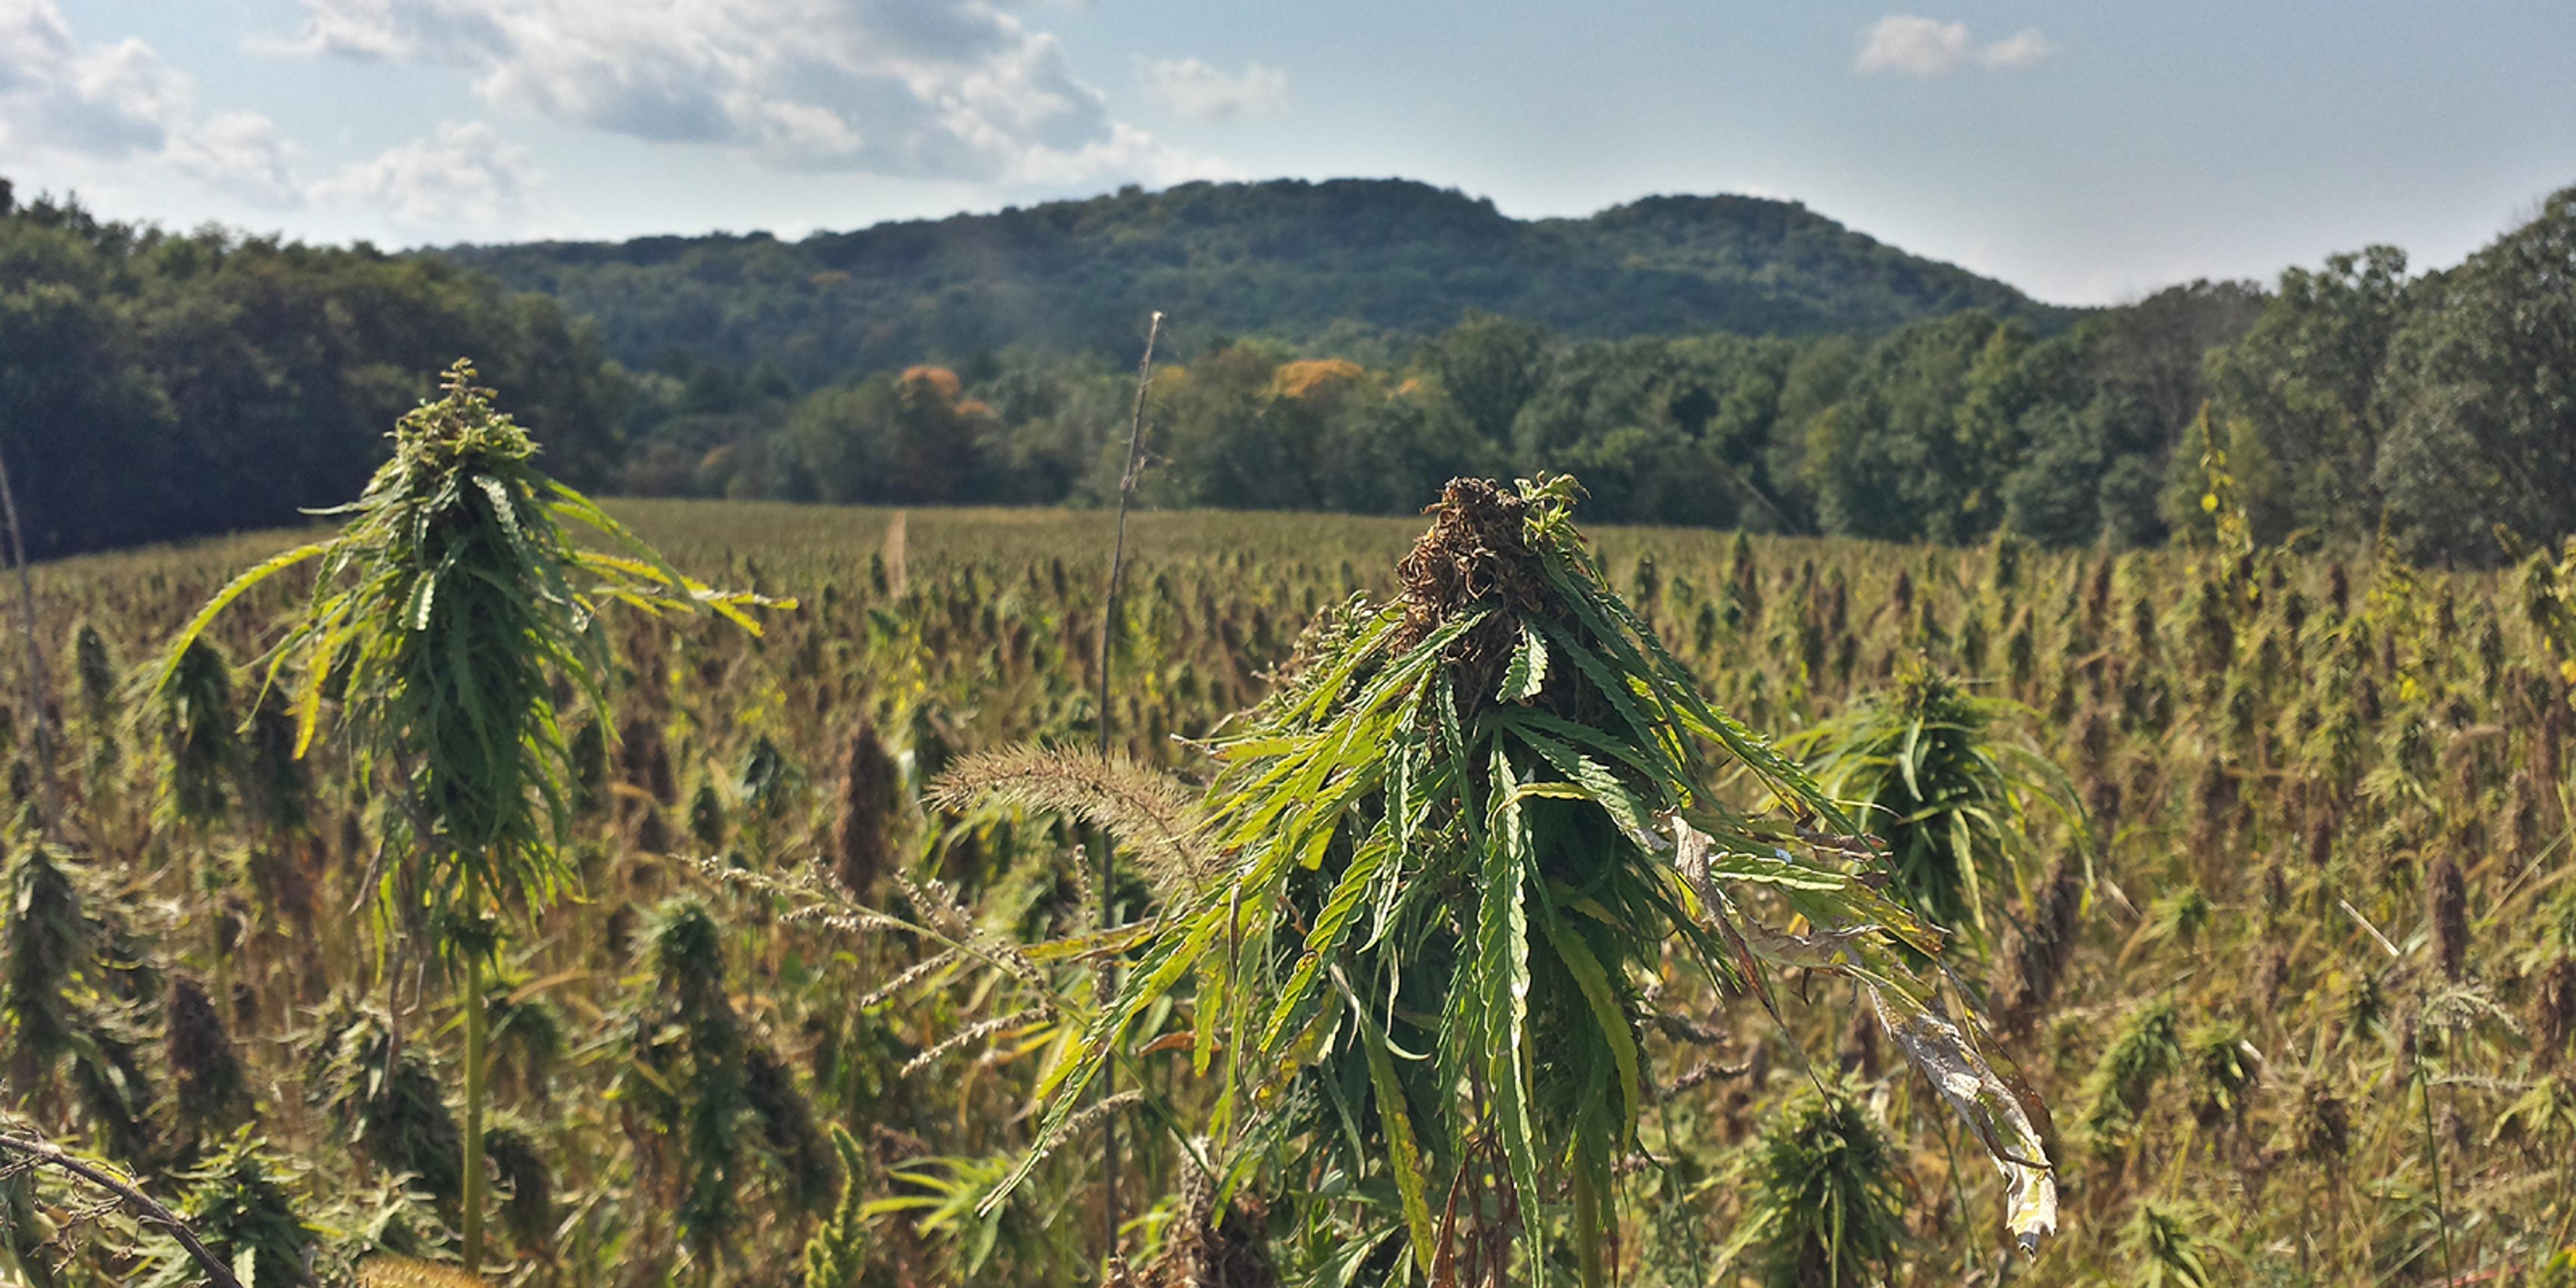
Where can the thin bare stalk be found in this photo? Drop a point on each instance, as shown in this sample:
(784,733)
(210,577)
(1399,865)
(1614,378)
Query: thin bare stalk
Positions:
(476,1092)
(2433,1159)
(143,1205)
(1108,620)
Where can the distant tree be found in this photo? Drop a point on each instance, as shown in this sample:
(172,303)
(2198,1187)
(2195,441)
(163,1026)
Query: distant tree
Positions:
(2480,396)
(1225,441)
(155,386)
(1892,459)
(2054,495)
(2103,406)
(1812,384)
(75,412)
(1489,367)
(2304,384)
(910,439)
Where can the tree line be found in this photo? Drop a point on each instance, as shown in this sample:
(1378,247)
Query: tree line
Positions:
(1362,269)
(2347,395)
(157,385)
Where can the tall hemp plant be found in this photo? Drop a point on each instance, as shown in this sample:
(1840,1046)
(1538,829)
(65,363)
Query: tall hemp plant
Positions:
(440,616)
(1943,780)
(1421,909)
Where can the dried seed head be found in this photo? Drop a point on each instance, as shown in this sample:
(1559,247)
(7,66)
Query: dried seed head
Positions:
(97,670)
(2446,907)
(2321,1125)
(1859,1053)
(527,1185)
(1474,552)
(2272,979)
(2553,1010)
(867,807)
(2093,738)
(2102,799)
(707,816)
(643,757)
(589,751)
(203,1069)
(2321,836)
(652,832)
(2038,953)
(2097,597)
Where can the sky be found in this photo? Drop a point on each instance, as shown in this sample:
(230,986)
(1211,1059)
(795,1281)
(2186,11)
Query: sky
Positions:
(2085,153)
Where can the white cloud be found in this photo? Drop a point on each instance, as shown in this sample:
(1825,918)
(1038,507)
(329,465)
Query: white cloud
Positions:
(2025,48)
(238,152)
(463,179)
(940,89)
(1915,46)
(121,103)
(1191,88)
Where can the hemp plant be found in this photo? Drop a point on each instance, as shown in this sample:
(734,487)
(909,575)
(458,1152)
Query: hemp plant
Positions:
(440,616)
(1948,787)
(1425,899)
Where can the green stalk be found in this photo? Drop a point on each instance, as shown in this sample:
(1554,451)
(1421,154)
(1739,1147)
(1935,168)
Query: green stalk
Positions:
(1587,1228)
(446,611)
(2433,1158)
(472,1001)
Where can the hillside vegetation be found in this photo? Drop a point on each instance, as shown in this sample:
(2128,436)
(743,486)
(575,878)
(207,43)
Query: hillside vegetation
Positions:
(156,385)
(1368,265)
(2352,395)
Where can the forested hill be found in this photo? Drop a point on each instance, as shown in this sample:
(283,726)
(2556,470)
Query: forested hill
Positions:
(1358,267)
(158,385)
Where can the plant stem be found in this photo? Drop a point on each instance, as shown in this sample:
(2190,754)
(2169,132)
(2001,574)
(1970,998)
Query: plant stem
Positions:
(472,1001)
(1587,1226)
(2307,1228)
(151,1212)
(2433,1158)
(1959,1196)
(1108,622)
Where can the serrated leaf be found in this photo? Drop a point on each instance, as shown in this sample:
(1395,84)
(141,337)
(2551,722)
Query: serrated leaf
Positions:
(1527,673)
(1502,957)
(1324,942)
(1606,1011)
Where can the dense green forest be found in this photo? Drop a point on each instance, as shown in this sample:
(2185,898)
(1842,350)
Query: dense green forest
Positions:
(1359,268)
(2445,402)
(157,385)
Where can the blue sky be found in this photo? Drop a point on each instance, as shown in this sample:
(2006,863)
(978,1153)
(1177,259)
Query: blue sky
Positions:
(2087,153)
